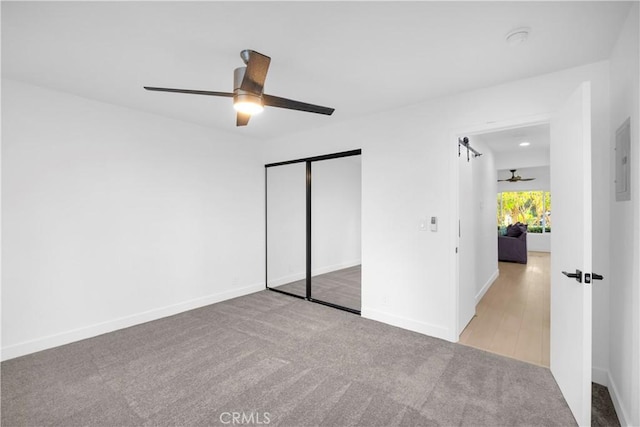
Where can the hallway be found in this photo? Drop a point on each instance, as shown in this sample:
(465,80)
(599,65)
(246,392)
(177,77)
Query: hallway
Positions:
(512,319)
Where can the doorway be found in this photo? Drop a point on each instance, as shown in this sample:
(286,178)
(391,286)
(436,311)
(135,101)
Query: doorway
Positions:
(313,231)
(572,256)
(504,281)
(513,316)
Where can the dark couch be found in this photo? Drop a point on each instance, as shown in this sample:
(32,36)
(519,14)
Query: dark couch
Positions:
(512,247)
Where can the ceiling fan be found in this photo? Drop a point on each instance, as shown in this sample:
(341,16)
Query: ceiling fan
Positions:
(248,90)
(515,178)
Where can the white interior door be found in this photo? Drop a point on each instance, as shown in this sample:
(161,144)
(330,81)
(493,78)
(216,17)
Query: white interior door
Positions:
(570,251)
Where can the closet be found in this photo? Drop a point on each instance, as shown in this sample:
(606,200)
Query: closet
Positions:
(313,229)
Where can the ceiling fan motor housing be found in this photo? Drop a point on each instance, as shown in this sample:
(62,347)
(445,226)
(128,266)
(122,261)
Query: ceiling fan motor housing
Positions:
(248,96)
(240,95)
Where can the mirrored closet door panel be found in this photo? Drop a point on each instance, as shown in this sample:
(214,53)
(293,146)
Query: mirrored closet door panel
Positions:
(286,228)
(335,231)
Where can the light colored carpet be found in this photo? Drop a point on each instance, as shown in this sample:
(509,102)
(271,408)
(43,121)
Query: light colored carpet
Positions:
(340,287)
(304,364)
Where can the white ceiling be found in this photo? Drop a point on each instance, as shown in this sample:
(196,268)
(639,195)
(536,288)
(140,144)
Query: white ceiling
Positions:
(537,136)
(508,153)
(358,57)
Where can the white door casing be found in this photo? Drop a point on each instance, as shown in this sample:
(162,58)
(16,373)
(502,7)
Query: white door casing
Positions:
(466,243)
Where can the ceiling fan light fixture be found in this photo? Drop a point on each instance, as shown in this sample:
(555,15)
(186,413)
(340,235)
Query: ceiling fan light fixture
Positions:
(525,144)
(247,103)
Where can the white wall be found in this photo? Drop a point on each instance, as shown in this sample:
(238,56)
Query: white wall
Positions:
(112,217)
(407,166)
(623,283)
(539,242)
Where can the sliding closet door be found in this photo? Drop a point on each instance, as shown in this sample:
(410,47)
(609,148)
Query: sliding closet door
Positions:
(335,231)
(286,228)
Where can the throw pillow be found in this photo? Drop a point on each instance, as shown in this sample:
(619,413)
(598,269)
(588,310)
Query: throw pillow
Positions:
(514,231)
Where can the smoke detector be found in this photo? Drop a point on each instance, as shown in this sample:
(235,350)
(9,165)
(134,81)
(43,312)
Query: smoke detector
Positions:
(517,36)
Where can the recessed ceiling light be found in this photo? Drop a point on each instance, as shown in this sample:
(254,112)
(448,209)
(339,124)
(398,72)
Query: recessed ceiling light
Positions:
(517,36)
(525,144)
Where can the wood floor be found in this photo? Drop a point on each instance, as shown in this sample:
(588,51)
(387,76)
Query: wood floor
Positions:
(512,319)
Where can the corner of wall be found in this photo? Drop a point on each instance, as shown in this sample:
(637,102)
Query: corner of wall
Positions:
(487,285)
(623,416)
(409,324)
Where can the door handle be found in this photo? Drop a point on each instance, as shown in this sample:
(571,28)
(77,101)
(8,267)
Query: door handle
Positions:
(593,276)
(577,275)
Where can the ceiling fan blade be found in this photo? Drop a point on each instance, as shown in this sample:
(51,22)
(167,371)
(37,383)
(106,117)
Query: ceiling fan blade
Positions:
(503,180)
(256,72)
(275,101)
(242,119)
(189,91)
(526,179)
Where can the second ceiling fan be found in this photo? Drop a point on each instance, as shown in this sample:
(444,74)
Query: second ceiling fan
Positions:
(515,178)
(248,90)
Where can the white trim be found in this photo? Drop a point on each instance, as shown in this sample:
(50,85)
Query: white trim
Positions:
(286,279)
(405,323)
(320,270)
(50,341)
(454,258)
(335,267)
(603,377)
(514,123)
(623,417)
(487,285)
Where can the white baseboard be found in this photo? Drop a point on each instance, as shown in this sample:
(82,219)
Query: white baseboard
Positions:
(55,340)
(487,285)
(320,270)
(405,323)
(600,376)
(286,279)
(623,417)
(335,267)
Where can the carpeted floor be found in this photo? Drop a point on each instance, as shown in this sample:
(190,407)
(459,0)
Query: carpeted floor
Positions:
(340,287)
(269,356)
(603,413)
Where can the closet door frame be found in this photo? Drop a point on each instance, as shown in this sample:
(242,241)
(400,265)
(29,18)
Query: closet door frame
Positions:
(308,161)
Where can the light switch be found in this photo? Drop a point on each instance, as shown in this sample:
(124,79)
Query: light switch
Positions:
(423,224)
(434,223)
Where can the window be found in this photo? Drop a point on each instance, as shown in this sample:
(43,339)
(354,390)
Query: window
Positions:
(529,207)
